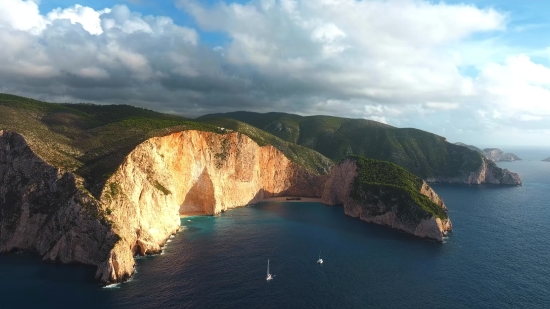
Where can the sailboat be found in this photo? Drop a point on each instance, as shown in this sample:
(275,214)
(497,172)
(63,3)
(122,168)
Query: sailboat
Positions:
(269,277)
(320,260)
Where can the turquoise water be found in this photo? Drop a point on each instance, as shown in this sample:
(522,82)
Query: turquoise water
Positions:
(496,257)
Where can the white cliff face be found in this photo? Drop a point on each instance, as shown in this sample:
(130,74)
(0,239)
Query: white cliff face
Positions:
(496,155)
(191,171)
(338,192)
(46,210)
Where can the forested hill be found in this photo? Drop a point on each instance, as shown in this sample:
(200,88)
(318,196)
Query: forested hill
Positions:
(92,140)
(422,153)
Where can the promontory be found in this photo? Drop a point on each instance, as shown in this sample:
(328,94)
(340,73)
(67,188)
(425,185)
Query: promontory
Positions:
(98,185)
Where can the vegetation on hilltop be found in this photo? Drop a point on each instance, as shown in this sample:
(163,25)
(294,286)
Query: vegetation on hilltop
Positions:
(421,153)
(304,156)
(93,140)
(474,148)
(380,182)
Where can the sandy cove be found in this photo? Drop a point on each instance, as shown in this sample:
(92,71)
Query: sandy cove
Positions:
(270,199)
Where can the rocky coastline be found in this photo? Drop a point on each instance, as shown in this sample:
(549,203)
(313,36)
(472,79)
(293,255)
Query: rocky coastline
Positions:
(497,155)
(379,205)
(48,210)
(487,173)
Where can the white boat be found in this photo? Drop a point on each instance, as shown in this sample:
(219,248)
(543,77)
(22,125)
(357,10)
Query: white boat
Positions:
(269,277)
(320,260)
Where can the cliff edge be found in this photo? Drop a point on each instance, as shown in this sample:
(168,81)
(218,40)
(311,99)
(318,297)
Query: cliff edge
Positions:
(46,210)
(496,155)
(487,173)
(386,194)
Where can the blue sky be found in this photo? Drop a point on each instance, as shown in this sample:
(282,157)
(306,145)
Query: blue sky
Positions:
(472,71)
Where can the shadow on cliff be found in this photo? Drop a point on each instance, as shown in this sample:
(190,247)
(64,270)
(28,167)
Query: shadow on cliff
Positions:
(201,199)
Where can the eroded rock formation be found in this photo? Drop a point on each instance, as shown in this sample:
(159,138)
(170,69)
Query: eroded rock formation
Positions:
(45,210)
(384,205)
(191,171)
(48,211)
(496,155)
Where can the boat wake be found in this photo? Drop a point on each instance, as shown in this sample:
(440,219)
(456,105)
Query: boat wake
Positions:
(112,286)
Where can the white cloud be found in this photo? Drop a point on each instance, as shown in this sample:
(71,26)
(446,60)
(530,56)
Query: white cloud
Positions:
(517,88)
(442,105)
(397,61)
(21,15)
(86,16)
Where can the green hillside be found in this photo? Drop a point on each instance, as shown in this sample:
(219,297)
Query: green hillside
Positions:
(474,148)
(422,153)
(379,181)
(93,140)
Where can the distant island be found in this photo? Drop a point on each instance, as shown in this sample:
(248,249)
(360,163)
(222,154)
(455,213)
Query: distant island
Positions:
(493,154)
(547,159)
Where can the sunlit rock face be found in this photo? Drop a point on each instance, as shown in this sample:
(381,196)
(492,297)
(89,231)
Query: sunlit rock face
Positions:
(496,155)
(191,171)
(48,211)
(45,210)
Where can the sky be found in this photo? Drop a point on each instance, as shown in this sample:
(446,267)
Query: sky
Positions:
(473,71)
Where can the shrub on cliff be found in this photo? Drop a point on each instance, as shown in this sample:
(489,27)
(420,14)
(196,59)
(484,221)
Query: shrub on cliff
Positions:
(385,186)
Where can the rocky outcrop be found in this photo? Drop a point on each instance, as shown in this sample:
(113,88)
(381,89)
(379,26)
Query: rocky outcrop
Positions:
(487,173)
(496,155)
(384,205)
(42,209)
(45,210)
(192,171)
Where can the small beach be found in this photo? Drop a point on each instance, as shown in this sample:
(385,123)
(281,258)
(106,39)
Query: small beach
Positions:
(284,199)
(270,199)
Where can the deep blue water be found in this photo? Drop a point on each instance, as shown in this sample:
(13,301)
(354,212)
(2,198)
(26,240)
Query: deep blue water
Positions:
(497,257)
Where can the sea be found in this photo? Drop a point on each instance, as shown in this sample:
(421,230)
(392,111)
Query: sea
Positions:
(496,257)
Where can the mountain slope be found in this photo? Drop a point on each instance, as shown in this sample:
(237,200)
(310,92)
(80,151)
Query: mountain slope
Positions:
(93,140)
(424,154)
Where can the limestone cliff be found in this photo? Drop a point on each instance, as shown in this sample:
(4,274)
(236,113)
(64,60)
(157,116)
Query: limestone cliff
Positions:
(496,155)
(45,210)
(42,209)
(488,173)
(191,171)
(388,205)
